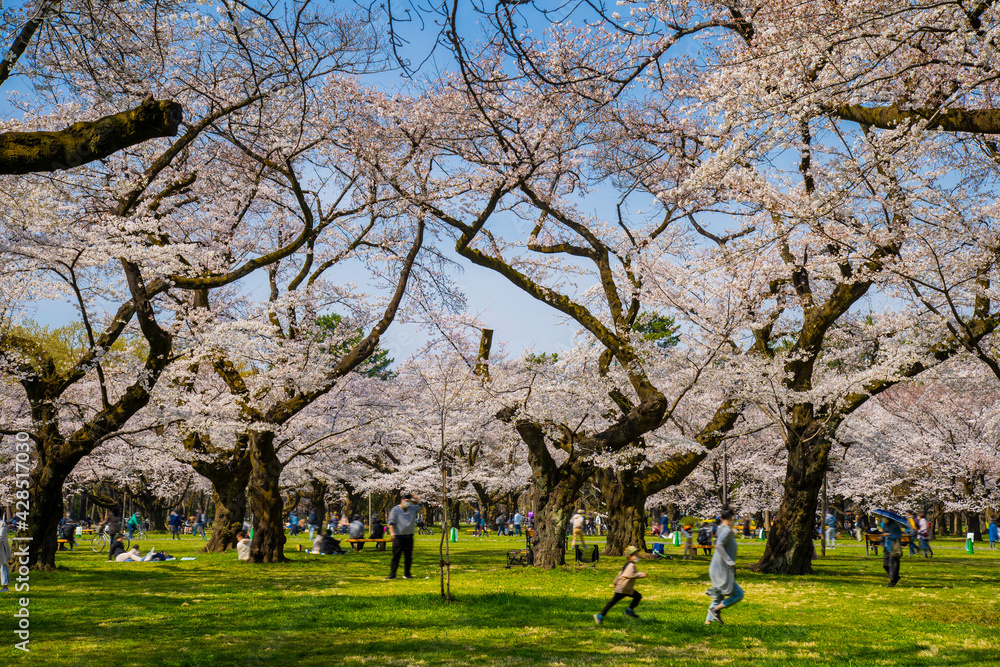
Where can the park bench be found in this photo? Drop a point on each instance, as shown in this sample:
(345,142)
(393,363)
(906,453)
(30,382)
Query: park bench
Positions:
(874,541)
(707,547)
(62,541)
(356,544)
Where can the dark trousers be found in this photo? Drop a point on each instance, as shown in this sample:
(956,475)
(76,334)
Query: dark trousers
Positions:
(891,565)
(636,598)
(402,545)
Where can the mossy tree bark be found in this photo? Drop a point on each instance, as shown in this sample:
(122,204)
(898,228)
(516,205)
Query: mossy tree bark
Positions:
(555,489)
(83,142)
(789,545)
(229,494)
(626,501)
(266,502)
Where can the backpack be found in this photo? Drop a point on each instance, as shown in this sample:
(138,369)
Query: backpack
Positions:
(704,535)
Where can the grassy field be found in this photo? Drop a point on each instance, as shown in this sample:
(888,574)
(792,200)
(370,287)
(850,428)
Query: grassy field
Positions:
(338,610)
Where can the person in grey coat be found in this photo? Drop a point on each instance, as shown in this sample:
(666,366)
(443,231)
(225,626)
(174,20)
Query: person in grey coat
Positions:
(724,591)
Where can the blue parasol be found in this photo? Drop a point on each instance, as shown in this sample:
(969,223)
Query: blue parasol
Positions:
(898,518)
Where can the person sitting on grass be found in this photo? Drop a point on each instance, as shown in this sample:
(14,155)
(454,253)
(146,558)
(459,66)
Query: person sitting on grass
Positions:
(242,546)
(624,585)
(117,547)
(326,544)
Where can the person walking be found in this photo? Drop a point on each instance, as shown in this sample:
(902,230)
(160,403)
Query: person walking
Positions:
(517,524)
(199,524)
(576,522)
(892,551)
(993,534)
(924,533)
(724,591)
(313,524)
(831,530)
(174,524)
(624,585)
(402,524)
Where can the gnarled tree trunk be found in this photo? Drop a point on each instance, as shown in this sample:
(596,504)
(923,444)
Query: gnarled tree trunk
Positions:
(555,489)
(626,501)
(46,508)
(317,499)
(789,545)
(229,494)
(266,502)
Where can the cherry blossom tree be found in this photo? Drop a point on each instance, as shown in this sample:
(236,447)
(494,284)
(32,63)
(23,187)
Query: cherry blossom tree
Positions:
(167,213)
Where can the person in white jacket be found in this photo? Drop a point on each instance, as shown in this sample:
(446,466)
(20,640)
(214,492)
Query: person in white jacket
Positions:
(5,555)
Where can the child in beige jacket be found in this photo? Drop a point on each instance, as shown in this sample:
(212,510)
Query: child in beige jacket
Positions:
(624,585)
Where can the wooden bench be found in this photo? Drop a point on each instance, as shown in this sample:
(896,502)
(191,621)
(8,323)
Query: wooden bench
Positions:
(708,547)
(358,543)
(874,541)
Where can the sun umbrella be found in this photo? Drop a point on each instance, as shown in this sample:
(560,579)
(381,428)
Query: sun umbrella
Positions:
(898,518)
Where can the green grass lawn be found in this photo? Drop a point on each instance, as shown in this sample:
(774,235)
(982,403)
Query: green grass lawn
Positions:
(338,610)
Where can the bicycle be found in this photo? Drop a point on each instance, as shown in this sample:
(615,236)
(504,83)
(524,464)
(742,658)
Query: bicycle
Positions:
(138,534)
(425,530)
(102,540)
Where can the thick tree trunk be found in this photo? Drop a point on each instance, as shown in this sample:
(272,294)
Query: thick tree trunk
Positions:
(354,501)
(454,513)
(551,520)
(266,502)
(974,526)
(45,508)
(626,501)
(317,499)
(555,490)
(157,515)
(229,494)
(789,543)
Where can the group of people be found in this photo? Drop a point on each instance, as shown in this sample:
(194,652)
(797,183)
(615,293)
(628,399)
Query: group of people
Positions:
(505,525)
(196,522)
